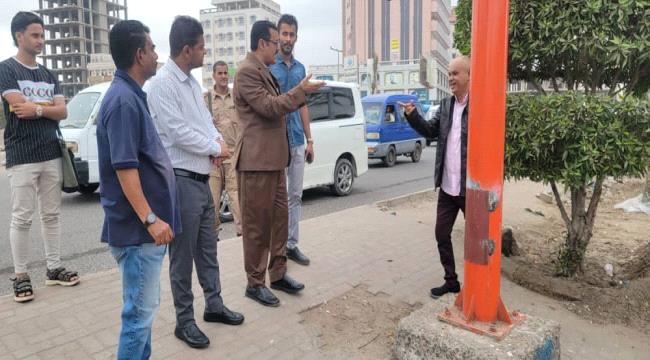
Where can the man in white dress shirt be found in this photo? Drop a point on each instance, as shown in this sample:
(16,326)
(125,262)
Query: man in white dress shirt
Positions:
(194,145)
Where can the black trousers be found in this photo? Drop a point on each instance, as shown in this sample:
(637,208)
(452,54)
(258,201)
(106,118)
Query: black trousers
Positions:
(446,213)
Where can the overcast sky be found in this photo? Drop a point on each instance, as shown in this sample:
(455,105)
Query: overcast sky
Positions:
(319,24)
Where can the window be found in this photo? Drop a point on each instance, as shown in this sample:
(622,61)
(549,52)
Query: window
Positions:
(79,110)
(221,36)
(229,51)
(331,104)
(389,116)
(342,103)
(208,38)
(253,18)
(229,36)
(241,35)
(229,22)
(318,103)
(220,23)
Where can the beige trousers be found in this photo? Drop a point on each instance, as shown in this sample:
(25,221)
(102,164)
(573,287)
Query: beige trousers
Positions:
(226,177)
(32,184)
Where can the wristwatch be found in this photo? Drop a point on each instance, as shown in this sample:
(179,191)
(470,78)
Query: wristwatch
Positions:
(150,219)
(39,111)
(310,141)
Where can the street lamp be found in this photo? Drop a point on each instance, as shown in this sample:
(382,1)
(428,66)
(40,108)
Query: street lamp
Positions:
(338,66)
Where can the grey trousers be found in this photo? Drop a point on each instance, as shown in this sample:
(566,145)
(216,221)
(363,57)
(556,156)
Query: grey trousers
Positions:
(295,175)
(195,245)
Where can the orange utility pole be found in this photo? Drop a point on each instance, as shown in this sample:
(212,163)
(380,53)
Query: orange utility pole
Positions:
(479,307)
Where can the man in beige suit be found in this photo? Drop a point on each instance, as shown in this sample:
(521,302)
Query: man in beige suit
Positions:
(261,156)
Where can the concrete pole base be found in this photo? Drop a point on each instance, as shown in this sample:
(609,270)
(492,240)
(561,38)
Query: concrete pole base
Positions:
(422,336)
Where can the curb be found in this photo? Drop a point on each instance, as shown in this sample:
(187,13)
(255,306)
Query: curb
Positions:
(400,200)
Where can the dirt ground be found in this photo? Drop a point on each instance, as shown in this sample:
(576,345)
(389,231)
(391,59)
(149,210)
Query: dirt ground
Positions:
(361,325)
(357,324)
(620,239)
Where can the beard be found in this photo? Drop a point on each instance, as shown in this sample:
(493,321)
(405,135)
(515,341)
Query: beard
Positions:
(286,49)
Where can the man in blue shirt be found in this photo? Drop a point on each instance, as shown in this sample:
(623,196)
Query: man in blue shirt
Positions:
(138,187)
(289,72)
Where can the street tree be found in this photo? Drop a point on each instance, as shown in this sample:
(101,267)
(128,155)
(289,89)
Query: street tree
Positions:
(595,57)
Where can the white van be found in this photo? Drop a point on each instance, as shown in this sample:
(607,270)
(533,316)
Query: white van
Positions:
(338,130)
(79,130)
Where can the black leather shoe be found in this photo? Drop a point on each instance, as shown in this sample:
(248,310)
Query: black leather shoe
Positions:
(192,336)
(288,285)
(448,287)
(296,255)
(262,295)
(226,316)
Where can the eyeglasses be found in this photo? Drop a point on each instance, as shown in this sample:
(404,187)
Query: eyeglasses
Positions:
(276,42)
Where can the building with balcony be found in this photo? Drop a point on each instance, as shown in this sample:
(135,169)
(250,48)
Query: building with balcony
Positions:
(75,29)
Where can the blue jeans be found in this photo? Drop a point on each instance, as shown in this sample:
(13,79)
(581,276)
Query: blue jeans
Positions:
(140,268)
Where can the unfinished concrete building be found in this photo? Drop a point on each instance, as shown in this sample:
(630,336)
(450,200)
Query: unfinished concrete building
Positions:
(74,29)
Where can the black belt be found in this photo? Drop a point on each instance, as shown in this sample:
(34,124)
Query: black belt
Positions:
(192,175)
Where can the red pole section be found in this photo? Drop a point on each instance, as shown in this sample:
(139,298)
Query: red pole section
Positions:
(480,300)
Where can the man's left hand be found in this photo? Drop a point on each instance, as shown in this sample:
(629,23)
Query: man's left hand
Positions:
(309,153)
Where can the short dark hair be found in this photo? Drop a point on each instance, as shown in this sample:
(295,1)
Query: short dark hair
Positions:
(125,38)
(219,63)
(261,30)
(289,20)
(186,30)
(21,21)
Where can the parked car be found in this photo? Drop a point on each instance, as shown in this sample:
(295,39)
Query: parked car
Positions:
(388,134)
(338,130)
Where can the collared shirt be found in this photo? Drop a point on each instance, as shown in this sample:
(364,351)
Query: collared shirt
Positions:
(289,76)
(183,120)
(29,141)
(127,139)
(451,173)
(225,118)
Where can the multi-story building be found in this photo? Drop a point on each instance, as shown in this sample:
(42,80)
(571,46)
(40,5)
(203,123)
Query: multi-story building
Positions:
(399,34)
(227,28)
(75,29)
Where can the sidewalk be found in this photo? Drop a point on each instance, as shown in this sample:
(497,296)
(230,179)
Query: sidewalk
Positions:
(390,251)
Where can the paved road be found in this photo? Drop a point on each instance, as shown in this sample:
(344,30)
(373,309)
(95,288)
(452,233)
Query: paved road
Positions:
(82,216)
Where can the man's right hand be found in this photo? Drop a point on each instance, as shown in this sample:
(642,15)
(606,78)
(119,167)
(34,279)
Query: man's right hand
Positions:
(407,107)
(161,232)
(225,152)
(309,86)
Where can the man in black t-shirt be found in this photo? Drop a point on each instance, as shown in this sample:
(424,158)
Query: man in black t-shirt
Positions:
(33,106)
